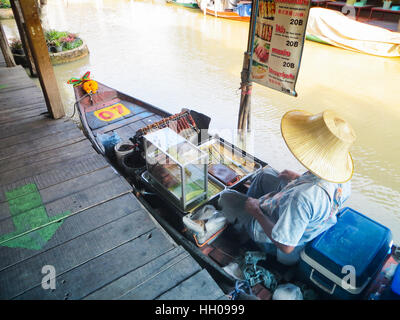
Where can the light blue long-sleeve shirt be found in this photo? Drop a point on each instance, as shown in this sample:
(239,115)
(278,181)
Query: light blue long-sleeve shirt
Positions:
(302,210)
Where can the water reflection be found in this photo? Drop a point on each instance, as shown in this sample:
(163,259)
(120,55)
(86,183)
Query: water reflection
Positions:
(175,57)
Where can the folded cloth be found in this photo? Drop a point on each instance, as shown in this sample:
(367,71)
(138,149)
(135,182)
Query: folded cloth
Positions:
(232,204)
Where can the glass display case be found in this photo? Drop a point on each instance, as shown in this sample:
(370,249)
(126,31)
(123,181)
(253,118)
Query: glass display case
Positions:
(229,164)
(177,166)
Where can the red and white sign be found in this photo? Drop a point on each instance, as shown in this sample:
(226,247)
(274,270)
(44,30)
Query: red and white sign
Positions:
(279,33)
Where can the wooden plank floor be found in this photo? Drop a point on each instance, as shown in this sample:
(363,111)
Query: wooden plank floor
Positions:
(62,205)
(2,61)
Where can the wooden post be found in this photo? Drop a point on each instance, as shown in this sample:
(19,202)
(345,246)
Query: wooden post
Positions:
(22,34)
(37,43)
(5,48)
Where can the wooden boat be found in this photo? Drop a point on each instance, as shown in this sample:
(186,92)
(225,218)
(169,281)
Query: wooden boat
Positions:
(111,112)
(97,119)
(225,14)
(185,3)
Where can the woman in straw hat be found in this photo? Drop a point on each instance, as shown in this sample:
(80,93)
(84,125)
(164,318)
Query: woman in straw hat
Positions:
(283,211)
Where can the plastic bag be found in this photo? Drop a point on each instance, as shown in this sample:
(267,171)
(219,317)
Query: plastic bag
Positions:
(287,291)
(233,270)
(108,142)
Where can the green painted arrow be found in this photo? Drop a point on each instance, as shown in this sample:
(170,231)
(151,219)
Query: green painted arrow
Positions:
(33,227)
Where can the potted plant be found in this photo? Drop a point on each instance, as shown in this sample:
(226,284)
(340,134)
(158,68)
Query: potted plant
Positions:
(16,46)
(58,45)
(73,36)
(18,52)
(387,4)
(5,4)
(71,42)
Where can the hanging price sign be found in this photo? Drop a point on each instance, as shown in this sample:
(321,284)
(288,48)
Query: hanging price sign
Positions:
(277,43)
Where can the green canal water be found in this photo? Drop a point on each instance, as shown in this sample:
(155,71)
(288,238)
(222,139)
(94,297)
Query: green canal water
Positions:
(175,57)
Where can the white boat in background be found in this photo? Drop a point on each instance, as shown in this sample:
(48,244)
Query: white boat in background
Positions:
(334,28)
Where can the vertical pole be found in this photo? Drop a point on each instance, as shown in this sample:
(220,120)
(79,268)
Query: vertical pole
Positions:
(5,48)
(246,85)
(37,43)
(245,96)
(22,34)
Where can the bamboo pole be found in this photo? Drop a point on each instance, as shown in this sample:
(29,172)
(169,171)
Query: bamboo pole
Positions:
(244,120)
(245,98)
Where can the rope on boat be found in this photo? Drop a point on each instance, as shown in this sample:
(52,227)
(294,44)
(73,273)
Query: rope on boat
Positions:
(254,273)
(76,104)
(241,286)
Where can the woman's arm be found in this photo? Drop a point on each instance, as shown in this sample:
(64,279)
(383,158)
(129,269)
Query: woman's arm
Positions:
(289,175)
(253,207)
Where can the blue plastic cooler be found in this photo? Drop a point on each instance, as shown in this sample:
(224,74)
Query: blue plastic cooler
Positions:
(355,242)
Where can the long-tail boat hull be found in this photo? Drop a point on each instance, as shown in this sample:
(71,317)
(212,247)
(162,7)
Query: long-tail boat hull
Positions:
(108,112)
(231,15)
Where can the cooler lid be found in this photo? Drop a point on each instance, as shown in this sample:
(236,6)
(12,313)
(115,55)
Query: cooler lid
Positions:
(354,240)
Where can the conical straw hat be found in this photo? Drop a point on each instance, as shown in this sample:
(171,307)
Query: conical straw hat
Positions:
(321,143)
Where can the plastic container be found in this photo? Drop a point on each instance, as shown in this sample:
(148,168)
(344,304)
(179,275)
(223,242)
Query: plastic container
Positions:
(132,163)
(287,291)
(122,149)
(244,10)
(354,248)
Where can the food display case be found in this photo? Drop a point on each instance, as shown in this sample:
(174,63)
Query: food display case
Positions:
(229,164)
(176,167)
(214,189)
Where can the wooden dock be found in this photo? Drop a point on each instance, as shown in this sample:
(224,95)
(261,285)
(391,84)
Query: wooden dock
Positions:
(2,61)
(64,209)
